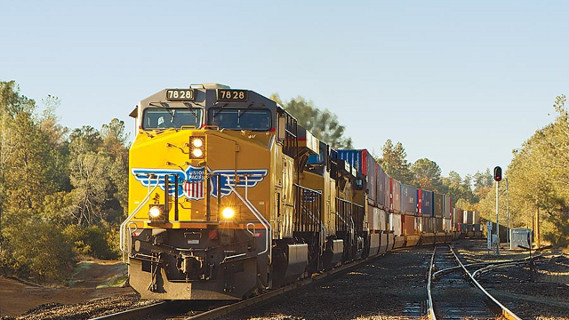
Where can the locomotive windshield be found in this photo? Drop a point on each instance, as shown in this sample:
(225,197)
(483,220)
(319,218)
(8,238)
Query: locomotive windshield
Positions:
(164,118)
(241,119)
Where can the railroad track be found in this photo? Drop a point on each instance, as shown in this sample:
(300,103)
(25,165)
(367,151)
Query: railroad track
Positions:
(166,310)
(453,296)
(200,310)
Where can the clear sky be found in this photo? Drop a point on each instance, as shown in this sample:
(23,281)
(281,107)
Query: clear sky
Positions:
(459,82)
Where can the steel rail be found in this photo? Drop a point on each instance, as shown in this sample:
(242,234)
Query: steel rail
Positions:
(430,308)
(507,313)
(132,313)
(504,263)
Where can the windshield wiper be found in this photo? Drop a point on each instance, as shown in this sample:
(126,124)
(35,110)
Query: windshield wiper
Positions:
(192,110)
(242,111)
(220,109)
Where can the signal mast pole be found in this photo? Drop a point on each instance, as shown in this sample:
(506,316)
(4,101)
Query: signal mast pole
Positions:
(497,220)
(497,177)
(508,211)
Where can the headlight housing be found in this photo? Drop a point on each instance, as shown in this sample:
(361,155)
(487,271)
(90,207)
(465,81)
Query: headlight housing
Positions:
(197,147)
(228,213)
(157,213)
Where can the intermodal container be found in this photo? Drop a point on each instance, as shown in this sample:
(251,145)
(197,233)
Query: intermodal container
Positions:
(365,164)
(377,219)
(395,223)
(395,196)
(387,192)
(447,225)
(447,207)
(438,224)
(428,226)
(458,216)
(468,217)
(437,205)
(426,203)
(408,225)
(383,223)
(380,189)
(408,199)
(371,175)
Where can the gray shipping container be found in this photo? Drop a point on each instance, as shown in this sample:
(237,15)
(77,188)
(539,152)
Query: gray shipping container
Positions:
(395,223)
(395,195)
(447,205)
(387,191)
(438,224)
(428,224)
(409,199)
(380,189)
(371,175)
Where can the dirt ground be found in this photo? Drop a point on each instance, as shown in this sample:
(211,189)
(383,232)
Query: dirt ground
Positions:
(90,280)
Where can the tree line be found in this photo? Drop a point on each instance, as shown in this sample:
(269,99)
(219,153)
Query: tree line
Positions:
(538,180)
(62,192)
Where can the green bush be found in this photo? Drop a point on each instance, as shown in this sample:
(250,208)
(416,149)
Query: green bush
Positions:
(93,241)
(36,249)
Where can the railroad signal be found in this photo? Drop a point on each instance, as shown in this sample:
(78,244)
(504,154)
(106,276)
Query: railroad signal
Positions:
(497,173)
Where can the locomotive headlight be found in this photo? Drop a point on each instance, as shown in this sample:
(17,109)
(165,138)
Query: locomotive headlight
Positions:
(228,213)
(197,153)
(156,212)
(197,147)
(198,143)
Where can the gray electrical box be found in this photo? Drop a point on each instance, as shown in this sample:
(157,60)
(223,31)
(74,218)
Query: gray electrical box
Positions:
(520,237)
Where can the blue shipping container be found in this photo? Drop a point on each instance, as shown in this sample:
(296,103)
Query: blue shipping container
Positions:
(426,203)
(408,199)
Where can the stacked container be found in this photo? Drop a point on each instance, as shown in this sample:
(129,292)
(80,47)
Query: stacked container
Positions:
(380,189)
(438,224)
(428,225)
(408,200)
(395,223)
(395,197)
(426,203)
(365,164)
(437,205)
(469,217)
(387,190)
(447,207)
(408,225)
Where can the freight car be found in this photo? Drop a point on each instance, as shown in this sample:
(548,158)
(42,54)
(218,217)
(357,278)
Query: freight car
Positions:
(229,196)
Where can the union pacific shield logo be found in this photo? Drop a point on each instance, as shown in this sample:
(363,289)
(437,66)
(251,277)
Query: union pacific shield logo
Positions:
(192,184)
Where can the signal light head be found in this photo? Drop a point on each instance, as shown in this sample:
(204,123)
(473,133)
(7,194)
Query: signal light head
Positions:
(497,173)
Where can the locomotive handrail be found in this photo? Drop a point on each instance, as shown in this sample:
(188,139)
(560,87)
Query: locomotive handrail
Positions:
(256,213)
(123,227)
(323,233)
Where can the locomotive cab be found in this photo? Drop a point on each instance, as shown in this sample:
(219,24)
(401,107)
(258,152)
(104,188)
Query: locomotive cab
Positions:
(200,223)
